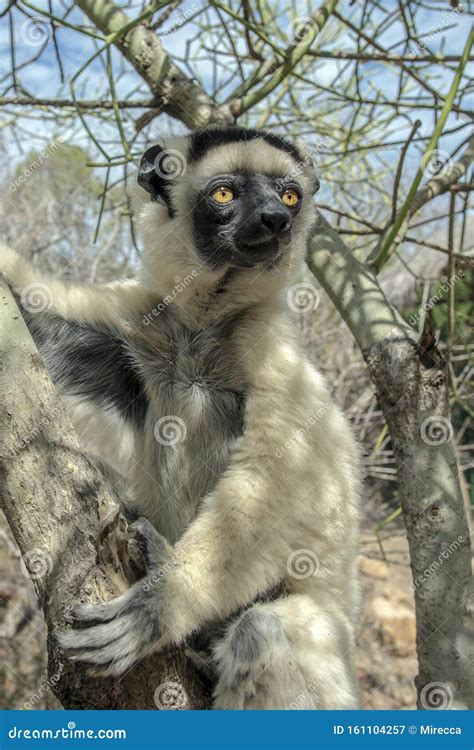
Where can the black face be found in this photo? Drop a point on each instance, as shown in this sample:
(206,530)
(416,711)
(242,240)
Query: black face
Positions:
(245,219)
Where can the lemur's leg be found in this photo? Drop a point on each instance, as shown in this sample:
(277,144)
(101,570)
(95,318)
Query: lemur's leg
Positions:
(286,654)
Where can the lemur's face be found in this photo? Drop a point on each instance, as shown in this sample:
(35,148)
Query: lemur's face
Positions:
(244,218)
(242,196)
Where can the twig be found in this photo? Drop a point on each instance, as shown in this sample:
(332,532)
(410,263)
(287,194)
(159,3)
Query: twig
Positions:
(398,174)
(382,251)
(25,101)
(294,54)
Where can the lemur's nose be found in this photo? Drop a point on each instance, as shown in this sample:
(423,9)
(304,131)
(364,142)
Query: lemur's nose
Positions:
(276,220)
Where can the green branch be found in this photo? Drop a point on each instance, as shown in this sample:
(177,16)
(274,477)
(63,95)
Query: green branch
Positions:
(294,55)
(389,238)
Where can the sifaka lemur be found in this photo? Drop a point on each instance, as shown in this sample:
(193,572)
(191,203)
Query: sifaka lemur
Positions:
(240,466)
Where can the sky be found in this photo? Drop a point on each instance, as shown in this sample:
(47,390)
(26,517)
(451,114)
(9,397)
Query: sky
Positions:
(443,31)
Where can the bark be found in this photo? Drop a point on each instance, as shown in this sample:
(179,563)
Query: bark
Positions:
(175,94)
(411,384)
(60,507)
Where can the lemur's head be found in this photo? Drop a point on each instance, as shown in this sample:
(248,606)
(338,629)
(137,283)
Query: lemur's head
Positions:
(226,198)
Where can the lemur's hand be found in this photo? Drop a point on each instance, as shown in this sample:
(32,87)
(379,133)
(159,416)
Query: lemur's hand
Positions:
(114,635)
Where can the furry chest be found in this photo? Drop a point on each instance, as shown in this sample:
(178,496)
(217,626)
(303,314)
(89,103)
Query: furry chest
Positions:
(196,412)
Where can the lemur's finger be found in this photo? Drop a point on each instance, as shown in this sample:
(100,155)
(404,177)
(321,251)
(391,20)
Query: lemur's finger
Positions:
(101,611)
(93,637)
(128,643)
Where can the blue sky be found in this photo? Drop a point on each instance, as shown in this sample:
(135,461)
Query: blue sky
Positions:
(446,31)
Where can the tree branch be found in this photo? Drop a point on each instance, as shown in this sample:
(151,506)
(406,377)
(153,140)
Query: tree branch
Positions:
(178,96)
(60,507)
(412,390)
(397,229)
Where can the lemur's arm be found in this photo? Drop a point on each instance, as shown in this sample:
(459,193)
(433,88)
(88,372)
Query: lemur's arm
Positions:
(262,509)
(81,333)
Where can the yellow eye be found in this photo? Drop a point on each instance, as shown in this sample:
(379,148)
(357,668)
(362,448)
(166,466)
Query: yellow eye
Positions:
(223,195)
(290,197)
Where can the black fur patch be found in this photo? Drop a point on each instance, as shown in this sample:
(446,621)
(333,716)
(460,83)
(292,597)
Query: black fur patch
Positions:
(237,233)
(90,361)
(203,140)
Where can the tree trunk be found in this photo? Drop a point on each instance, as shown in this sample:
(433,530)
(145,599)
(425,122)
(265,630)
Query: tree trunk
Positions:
(411,386)
(60,507)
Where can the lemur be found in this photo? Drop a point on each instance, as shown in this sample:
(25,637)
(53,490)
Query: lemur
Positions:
(238,459)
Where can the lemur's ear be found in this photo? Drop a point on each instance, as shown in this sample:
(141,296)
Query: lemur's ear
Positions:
(154,177)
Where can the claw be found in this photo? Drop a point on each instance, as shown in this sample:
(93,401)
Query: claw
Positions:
(157,548)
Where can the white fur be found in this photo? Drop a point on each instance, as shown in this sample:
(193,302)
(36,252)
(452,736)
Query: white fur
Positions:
(292,481)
